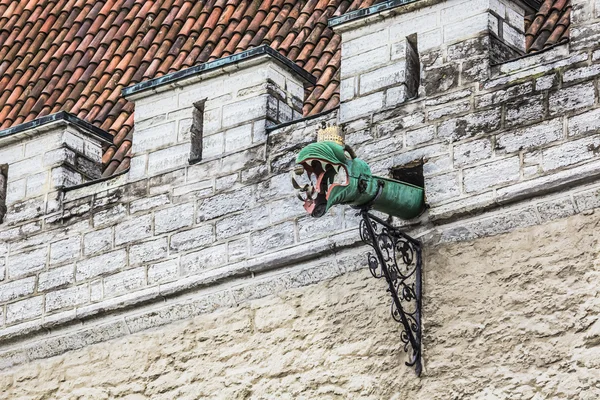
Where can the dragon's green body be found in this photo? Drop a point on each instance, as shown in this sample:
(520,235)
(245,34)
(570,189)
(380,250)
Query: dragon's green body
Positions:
(328,161)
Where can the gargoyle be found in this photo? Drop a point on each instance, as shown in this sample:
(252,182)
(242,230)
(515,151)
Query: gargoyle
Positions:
(337,176)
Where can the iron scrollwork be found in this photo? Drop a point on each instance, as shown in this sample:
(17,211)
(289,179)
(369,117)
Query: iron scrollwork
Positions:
(397,258)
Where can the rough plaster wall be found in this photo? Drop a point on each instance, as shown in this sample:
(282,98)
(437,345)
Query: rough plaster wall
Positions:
(507,317)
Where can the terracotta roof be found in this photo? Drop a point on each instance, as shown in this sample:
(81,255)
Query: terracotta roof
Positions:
(549,26)
(77,55)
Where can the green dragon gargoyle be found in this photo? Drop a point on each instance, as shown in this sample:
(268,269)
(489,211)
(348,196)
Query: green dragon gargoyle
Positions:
(337,176)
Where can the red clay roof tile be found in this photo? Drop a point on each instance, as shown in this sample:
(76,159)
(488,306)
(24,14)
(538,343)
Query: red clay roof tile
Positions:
(77,56)
(549,26)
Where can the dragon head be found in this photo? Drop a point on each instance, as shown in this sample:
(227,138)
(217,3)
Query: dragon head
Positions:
(332,171)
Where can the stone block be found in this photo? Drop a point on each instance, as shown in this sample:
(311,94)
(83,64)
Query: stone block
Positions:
(65,250)
(472,152)
(442,187)
(449,110)
(546,82)
(27,263)
(110,215)
(277,236)
(100,265)
(491,174)
(365,61)
(174,218)
(24,310)
(440,79)
(351,48)
(136,228)
(56,278)
(587,200)
(470,125)
(163,272)
(67,298)
(466,27)
(124,282)
(192,239)
(169,158)
(571,153)
(572,98)
(245,110)
(97,241)
(502,95)
(15,289)
(148,251)
(361,106)
(246,221)
(531,137)
(238,138)
(380,78)
(524,111)
(211,257)
(237,249)
(581,73)
(223,204)
(584,124)
(155,137)
(149,203)
(213,145)
(555,209)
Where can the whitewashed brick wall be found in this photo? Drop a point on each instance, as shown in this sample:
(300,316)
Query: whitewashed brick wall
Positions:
(528,129)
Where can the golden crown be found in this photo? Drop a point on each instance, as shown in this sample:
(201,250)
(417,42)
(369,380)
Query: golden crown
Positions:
(330,133)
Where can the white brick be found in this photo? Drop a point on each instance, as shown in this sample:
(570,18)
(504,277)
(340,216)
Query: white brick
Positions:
(102,264)
(24,310)
(146,204)
(68,249)
(360,45)
(154,137)
(383,77)
(571,153)
(27,263)
(97,241)
(67,298)
(472,152)
(56,277)
(238,138)
(533,136)
(413,23)
(361,106)
(148,251)
(274,237)
(174,218)
(442,187)
(364,62)
(167,159)
(163,272)
(25,167)
(466,28)
(202,260)
(572,98)
(213,145)
(585,123)
(15,289)
(135,229)
(193,239)
(245,110)
(491,174)
(123,282)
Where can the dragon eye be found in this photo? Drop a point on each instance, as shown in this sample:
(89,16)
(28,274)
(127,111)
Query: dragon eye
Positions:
(348,156)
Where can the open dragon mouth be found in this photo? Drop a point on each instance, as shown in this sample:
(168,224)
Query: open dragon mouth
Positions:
(316,186)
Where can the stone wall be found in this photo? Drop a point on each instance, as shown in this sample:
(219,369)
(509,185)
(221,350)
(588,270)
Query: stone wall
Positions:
(508,146)
(509,317)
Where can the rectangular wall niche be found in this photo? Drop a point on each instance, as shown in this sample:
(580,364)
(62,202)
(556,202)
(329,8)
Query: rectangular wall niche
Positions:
(3,186)
(413,67)
(410,173)
(196,131)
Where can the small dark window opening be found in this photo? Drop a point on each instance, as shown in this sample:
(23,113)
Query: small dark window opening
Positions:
(410,173)
(413,67)
(196,131)
(3,186)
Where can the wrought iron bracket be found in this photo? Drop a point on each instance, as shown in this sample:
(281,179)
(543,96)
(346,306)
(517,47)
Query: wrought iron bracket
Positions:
(398,259)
